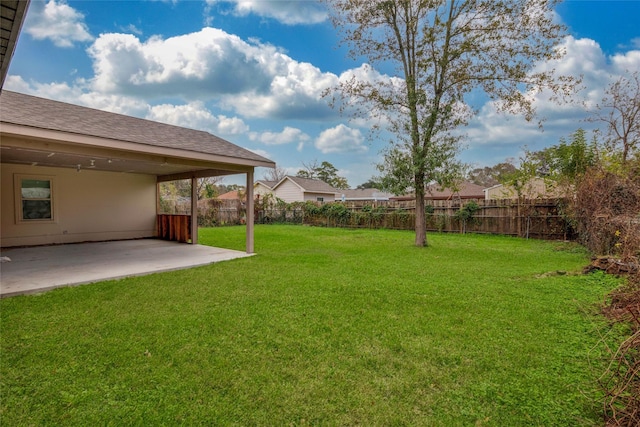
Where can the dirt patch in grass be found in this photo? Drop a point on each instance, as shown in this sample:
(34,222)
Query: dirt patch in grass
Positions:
(629,266)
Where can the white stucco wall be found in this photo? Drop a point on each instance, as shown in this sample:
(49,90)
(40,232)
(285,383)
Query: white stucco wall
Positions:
(88,206)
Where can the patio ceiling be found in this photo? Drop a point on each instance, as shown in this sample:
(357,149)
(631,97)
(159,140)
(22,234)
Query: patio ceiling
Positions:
(54,154)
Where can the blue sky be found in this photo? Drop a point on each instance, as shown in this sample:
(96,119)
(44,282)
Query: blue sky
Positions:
(252,72)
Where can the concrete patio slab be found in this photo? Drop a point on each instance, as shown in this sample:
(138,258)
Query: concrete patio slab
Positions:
(41,268)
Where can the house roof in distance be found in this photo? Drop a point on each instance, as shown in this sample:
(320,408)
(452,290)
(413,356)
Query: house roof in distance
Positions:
(268,184)
(308,185)
(44,114)
(468,190)
(229,195)
(363,194)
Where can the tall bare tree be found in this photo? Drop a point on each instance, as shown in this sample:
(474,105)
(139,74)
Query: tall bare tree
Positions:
(442,50)
(208,187)
(275,174)
(620,111)
(490,175)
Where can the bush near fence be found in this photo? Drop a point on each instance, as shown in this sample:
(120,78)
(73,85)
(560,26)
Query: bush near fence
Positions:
(211,212)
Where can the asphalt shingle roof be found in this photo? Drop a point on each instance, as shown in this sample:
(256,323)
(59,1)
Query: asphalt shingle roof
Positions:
(313,185)
(468,190)
(370,193)
(31,111)
(269,184)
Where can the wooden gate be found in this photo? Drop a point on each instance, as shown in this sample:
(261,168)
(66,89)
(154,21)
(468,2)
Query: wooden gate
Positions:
(174,227)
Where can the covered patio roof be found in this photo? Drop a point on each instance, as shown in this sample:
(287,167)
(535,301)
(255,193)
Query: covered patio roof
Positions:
(42,132)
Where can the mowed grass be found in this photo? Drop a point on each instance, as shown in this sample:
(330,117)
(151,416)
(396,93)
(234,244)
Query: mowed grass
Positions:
(321,327)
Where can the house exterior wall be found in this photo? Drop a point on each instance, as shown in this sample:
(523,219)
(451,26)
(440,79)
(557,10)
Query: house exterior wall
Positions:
(313,197)
(261,190)
(289,192)
(88,206)
(499,192)
(534,189)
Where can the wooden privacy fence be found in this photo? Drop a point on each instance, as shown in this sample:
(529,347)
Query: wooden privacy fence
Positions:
(539,218)
(535,218)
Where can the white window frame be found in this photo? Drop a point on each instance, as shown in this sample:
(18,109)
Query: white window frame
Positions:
(19,214)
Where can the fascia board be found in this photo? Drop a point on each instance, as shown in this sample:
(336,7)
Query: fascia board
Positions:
(93,141)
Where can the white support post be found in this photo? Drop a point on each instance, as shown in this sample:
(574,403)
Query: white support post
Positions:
(250,211)
(194,211)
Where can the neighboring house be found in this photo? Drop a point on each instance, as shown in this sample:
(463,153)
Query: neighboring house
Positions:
(75,174)
(295,189)
(466,191)
(230,195)
(367,194)
(262,187)
(536,188)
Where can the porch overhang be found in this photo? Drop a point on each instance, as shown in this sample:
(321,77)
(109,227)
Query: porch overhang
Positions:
(37,147)
(36,132)
(13,13)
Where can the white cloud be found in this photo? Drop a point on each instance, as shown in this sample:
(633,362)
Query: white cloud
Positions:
(114,103)
(585,58)
(287,136)
(76,94)
(17,84)
(367,73)
(341,139)
(289,12)
(295,92)
(368,116)
(493,128)
(196,116)
(231,125)
(256,80)
(262,153)
(131,29)
(191,64)
(627,62)
(56,21)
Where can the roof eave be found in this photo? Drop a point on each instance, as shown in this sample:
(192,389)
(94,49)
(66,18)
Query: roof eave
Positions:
(21,131)
(16,26)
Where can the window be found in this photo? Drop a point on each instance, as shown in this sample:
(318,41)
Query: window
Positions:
(319,199)
(34,198)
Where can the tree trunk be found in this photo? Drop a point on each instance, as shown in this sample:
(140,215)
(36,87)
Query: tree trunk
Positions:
(421,222)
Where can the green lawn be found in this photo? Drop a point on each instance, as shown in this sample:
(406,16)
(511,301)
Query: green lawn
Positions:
(322,327)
